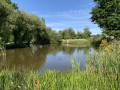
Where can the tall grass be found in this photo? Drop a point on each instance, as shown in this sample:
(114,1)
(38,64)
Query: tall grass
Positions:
(102,73)
(75,64)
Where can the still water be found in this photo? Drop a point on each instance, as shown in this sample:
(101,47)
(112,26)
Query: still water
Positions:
(46,57)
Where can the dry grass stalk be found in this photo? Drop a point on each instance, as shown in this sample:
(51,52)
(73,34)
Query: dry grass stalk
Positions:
(38,82)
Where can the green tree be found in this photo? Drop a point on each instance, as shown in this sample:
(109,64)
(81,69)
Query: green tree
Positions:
(71,33)
(24,28)
(80,35)
(87,31)
(8,18)
(12,4)
(28,28)
(43,19)
(65,34)
(53,37)
(106,14)
(68,34)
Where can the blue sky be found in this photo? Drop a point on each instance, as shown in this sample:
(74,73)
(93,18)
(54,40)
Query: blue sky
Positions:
(61,14)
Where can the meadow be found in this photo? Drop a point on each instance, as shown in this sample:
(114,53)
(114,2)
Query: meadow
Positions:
(77,42)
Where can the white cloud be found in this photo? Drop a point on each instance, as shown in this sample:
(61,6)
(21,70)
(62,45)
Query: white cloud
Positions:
(68,23)
(72,12)
(68,14)
(77,19)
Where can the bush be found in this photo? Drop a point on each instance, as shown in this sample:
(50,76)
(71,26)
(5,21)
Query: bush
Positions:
(96,41)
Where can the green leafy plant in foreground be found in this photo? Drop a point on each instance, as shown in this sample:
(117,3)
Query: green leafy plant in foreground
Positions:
(75,64)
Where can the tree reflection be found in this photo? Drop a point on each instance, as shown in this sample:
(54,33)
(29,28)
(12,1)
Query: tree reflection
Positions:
(27,57)
(35,56)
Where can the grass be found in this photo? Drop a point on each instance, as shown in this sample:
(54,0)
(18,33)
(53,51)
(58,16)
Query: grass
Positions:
(54,80)
(80,42)
(102,73)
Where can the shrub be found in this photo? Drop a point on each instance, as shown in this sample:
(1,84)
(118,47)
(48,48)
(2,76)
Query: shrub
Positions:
(96,41)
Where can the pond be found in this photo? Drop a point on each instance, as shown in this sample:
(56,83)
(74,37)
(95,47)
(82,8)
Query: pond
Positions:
(46,57)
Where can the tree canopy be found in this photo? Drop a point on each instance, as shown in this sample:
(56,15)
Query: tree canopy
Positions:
(106,14)
(87,31)
(21,27)
(68,33)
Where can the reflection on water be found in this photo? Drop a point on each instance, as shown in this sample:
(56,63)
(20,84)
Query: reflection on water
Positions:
(45,57)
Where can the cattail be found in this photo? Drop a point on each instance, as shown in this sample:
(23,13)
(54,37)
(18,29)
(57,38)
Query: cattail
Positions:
(38,82)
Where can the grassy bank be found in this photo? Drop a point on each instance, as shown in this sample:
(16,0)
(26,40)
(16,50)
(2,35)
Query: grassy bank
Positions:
(53,80)
(80,42)
(102,73)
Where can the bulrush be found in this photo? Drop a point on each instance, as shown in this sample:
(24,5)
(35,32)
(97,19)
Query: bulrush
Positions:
(38,82)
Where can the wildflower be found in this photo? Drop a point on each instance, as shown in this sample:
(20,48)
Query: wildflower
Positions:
(103,43)
(109,47)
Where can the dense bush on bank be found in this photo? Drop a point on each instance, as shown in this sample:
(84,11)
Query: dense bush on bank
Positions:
(96,40)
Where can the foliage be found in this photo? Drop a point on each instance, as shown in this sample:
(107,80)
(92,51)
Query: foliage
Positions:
(53,36)
(7,20)
(5,10)
(87,31)
(81,35)
(96,40)
(19,28)
(68,34)
(28,27)
(106,15)
(49,36)
(12,4)
(105,63)
(75,64)
(23,28)
(2,50)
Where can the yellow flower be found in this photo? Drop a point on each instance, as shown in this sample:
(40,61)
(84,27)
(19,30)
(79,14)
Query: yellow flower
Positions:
(109,47)
(103,43)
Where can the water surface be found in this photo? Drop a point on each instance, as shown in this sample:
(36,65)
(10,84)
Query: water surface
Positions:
(46,57)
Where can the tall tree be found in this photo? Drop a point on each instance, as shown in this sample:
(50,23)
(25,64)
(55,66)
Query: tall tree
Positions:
(106,14)
(8,17)
(28,28)
(80,35)
(71,33)
(87,32)
(68,34)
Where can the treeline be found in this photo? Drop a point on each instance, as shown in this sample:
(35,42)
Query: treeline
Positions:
(21,28)
(70,34)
